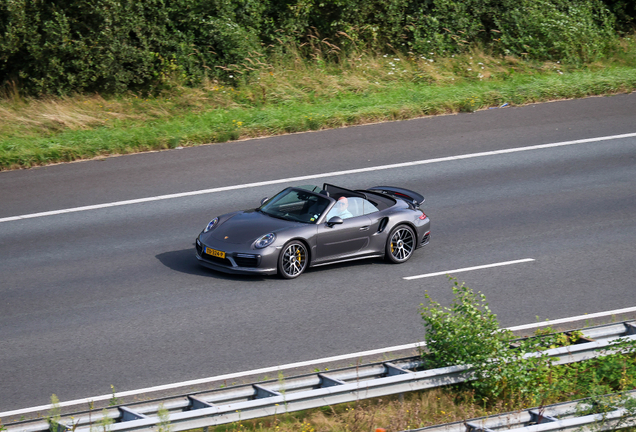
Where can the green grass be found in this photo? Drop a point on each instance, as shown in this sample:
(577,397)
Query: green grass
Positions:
(292,97)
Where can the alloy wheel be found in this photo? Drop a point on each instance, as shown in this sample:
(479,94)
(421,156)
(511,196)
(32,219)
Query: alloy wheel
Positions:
(293,260)
(401,243)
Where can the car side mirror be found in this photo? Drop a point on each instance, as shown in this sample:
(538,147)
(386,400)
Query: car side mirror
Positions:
(264,200)
(336,220)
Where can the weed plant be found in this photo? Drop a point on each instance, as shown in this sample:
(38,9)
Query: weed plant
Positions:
(54,415)
(104,424)
(287,93)
(164,420)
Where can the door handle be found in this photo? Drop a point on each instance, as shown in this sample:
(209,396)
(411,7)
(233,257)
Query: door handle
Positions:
(365,228)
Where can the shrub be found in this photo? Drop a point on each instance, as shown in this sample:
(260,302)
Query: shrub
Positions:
(573,31)
(625,13)
(117,45)
(468,333)
(97,45)
(64,46)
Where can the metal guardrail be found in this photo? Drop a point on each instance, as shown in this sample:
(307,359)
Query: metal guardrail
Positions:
(557,417)
(221,406)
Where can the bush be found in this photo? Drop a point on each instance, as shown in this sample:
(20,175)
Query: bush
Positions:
(468,333)
(99,45)
(117,45)
(625,13)
(572,31)
(216,35)
(64,46)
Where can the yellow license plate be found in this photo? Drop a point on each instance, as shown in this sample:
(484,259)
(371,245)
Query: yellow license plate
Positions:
(214,252)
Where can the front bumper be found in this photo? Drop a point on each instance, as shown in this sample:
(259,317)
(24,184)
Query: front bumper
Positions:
(238,261)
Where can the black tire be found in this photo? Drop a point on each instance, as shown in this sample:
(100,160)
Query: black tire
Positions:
(293,260)
(400,244)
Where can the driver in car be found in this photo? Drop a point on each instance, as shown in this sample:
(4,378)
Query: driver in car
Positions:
(340,209)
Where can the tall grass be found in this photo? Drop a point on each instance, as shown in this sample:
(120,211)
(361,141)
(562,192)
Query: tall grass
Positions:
(289,94)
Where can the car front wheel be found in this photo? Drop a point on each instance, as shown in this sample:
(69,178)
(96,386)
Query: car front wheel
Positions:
(292,260)
(400,244)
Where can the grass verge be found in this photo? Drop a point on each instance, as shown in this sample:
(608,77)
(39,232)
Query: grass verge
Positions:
(293,96)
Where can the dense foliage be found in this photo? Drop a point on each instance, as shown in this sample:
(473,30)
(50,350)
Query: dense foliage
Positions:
(62,46)
(467,332)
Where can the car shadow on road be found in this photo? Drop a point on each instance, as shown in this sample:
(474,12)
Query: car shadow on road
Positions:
(184,261)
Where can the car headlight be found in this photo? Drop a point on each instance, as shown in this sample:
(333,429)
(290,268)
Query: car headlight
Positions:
(214,222)
(265,241)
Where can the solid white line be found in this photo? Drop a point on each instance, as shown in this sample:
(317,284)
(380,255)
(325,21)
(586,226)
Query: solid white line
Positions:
(571,319)
(299,364)
(314,176)
(469,269)
(231,376)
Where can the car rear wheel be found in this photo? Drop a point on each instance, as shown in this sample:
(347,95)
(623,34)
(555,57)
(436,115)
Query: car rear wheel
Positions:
(292,260)
(400,244)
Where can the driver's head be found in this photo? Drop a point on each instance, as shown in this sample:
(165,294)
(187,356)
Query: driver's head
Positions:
(342,204)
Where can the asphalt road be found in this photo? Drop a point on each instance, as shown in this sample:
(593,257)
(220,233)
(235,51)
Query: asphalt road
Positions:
(114,296)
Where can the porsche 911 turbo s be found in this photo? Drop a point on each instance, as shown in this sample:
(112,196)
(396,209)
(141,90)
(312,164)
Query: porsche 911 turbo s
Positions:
(307,226)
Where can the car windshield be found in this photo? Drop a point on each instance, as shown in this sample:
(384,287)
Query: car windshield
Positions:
(296,205)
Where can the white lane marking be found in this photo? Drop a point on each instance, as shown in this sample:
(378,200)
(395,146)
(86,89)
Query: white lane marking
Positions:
(301,364)
(465,269)
(576,318)
(314,176)
(218,378)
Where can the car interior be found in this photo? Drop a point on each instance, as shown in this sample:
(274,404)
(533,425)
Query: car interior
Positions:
(360,202)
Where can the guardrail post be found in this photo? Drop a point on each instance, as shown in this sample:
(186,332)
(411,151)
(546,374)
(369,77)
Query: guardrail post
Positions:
(471,427)
(128,415)
(326,381)
(262,392)
(57,427)
(631,328)
(538,417)
(581,339)
(196,403)
(392,369)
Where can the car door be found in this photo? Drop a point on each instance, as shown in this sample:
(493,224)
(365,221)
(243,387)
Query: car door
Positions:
(342,240)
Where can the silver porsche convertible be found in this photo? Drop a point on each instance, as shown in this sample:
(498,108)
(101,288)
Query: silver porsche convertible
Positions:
(307,226)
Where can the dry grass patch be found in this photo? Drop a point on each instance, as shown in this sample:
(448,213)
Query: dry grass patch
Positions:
(30,116)
(280,83)
(393,413)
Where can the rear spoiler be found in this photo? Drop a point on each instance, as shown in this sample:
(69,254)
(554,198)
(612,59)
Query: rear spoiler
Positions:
(405,194)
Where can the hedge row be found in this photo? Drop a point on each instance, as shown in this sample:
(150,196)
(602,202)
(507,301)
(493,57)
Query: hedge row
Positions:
(63,46)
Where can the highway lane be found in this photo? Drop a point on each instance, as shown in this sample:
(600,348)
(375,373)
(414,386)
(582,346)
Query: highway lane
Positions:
(114,296)
(150,174)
